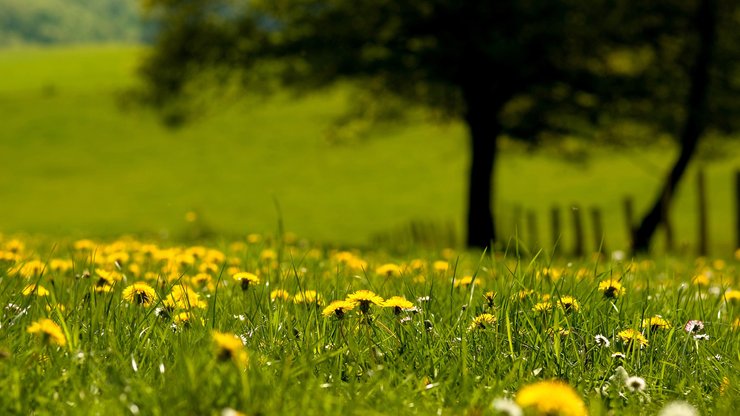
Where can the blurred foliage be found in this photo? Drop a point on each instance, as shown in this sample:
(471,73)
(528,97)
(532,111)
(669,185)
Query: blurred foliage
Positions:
(550,70)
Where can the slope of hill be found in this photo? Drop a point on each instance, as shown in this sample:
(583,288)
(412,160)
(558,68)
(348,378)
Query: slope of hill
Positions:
(69,21)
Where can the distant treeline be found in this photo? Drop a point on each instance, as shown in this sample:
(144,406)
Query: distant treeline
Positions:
(71,21)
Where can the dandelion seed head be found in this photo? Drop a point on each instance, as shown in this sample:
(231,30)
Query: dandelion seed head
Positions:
(506,407)
(635,384)
(678,408)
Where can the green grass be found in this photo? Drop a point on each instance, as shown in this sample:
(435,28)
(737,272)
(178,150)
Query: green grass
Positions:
(125,358)
(72,162)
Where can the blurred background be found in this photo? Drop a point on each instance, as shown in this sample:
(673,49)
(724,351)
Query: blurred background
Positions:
(216,119)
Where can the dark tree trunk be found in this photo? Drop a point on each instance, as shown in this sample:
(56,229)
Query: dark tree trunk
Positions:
(694,125)
(481,117)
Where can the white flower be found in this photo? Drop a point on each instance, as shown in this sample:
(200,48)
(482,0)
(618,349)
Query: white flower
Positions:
(693,326)
(602,341)
(620,374)
(507,407)
(701,337)
(635,384)
(678,409)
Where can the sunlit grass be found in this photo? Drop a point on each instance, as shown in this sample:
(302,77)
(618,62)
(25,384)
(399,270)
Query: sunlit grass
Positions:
(66,142)
(149,328)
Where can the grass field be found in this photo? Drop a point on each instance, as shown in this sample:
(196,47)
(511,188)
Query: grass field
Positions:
(130,328)
(73,163)
(243,322)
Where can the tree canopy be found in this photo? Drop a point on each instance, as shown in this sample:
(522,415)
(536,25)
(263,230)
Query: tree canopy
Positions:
(531,70)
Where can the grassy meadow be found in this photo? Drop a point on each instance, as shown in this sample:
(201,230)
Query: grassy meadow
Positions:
(73,162)
(227,267)
(260,328)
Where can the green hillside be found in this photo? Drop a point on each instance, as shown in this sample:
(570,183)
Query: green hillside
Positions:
(69,21)
(71,161)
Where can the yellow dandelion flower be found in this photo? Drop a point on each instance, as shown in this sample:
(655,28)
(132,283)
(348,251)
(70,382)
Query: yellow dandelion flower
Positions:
(56,307)
(398,303)
(118,258)
(308,297)
(49,332)
(655,323)
(201,280)
(15,246)
(440,266)
(109,277)
(550,273)
(34,289)
(230,348)
(551,398)
(389,270)
(9,257)
(140,293)
(466,281)
(632,338)
(365,298)
(60,265)
(186,319)
(417,265)
(482,321)
(700,280)
(489,297)
(268,255)
(732,296)
(183,297)
(279,294)
(611,289)
(32,268)
(542,307)
(569,304)
(523,294)
(245,279)
(338,308)
(736,324)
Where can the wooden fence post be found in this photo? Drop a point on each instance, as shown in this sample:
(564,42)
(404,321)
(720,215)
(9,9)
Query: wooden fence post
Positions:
(557,229)
(578,249)
(598,227)
(702,211)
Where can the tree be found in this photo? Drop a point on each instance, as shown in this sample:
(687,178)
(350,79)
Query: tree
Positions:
(711,79)
(469,59)
(525,69)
